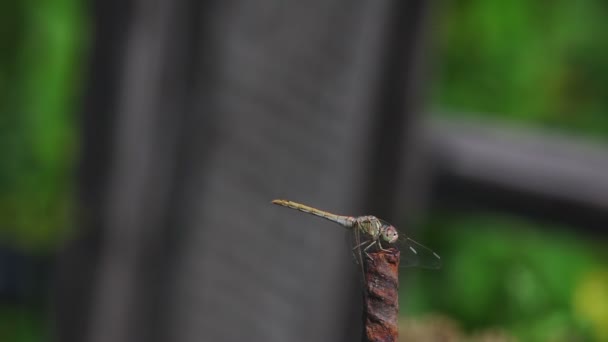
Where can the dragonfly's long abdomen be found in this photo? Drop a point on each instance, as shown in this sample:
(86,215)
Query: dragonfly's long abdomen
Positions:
(345,221)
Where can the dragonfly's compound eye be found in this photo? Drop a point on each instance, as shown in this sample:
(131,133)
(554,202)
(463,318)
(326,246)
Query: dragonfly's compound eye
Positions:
(390,234)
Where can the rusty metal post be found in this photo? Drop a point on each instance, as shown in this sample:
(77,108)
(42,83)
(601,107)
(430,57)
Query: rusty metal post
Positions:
(381,296)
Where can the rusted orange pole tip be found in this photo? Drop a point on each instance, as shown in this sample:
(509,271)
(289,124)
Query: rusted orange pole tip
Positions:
(381,296)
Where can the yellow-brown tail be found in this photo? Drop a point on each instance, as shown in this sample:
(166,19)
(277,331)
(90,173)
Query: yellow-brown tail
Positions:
(345,221)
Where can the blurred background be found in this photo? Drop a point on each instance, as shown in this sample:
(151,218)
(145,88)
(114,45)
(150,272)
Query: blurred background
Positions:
(142,143)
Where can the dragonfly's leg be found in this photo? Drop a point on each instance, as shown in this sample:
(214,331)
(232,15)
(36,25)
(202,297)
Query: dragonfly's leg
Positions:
(361,244)
(382,248)
(368,247)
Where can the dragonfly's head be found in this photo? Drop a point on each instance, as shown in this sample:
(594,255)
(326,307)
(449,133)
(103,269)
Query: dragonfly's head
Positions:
(389,233)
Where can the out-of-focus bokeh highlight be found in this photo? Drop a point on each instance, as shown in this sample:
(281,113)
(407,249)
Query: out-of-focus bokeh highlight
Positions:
(519,65)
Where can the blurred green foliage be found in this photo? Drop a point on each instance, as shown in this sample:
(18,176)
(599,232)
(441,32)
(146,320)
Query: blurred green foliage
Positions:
(41,47)
(19,324)
(534,62)
(41,54)
(505,272)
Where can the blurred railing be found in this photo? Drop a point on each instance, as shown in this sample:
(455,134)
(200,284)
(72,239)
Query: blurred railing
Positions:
(540,174)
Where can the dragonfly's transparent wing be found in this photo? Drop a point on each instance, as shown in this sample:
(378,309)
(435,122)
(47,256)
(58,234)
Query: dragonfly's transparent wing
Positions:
(355,247)
(414,254)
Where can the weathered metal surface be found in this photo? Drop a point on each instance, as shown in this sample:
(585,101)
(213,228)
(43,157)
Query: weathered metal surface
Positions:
(381,296)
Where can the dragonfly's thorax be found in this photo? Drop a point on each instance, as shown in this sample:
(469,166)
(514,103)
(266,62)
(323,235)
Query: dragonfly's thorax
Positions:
(376,229)
(369,225)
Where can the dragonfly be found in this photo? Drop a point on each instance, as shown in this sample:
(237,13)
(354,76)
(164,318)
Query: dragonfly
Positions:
(375,232)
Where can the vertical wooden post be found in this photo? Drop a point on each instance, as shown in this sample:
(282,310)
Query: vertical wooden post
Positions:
(381,296)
